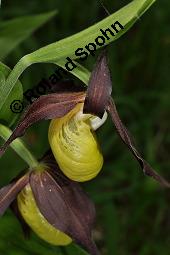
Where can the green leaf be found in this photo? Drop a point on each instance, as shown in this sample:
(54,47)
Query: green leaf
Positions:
(15,31)
(15,94)
(80,71)
(58,51)
(127,16)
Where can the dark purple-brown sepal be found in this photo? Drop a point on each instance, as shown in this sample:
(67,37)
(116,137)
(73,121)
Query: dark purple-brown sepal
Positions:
(126,138)
(65,206)
(45,107)
(99,87)
(10,192)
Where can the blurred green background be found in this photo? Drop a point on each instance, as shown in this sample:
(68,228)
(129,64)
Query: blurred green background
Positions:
(133,212)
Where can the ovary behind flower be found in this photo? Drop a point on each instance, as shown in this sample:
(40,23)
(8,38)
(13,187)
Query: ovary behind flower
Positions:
(74,145)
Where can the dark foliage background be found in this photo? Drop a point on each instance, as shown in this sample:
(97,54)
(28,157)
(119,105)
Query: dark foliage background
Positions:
(132,210)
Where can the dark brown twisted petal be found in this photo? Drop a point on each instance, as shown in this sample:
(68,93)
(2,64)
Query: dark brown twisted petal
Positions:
(99,87)
(45,107)
(65,206)
(9,193)
(124,134)
(14,207)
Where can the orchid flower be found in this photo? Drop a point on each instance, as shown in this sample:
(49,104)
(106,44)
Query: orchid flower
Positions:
(51,205)
(75,117)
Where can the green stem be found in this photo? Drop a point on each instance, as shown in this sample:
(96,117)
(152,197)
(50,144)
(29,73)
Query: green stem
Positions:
(19,68)
(19,147)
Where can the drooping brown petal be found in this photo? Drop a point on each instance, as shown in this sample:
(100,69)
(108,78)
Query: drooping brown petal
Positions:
(26,229)
(9,193)
(14,207)
(124,134)
(66,210)
(99,87)
(45,107)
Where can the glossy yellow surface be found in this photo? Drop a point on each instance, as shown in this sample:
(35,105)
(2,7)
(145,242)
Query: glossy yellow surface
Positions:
(37,222)
(75,146)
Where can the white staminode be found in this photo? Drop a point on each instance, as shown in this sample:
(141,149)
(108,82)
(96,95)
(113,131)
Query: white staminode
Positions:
(95,122)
